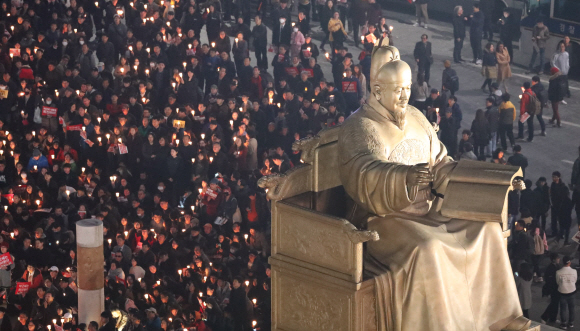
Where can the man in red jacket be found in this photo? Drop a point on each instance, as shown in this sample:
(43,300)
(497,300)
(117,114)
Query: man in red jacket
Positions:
(528,93)
(211,198)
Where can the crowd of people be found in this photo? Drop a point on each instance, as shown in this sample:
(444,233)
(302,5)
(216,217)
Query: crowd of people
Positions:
(116,110)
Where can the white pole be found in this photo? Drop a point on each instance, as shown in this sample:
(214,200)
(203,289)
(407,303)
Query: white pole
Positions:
(90,270)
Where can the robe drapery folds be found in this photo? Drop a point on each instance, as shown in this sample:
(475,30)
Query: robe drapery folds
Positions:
(431,272)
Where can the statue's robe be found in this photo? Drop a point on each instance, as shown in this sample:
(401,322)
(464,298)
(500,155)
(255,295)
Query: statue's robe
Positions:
(432,273)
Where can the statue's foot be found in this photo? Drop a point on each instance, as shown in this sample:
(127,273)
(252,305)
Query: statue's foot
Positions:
(518,324)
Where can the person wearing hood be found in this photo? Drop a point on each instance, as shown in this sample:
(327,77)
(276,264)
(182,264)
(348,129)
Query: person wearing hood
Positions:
(556,91)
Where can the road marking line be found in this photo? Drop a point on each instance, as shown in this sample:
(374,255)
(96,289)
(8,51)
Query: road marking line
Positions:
(530,78)
(563,122)
(568,161)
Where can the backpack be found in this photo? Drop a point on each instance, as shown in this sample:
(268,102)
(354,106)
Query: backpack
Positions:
(539,248)
(534,105)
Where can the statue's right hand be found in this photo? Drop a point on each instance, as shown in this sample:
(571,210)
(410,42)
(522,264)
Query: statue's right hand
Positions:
(419,175)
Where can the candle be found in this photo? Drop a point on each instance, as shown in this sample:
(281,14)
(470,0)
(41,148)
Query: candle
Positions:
(177,142)
(35,167)
(246,236)
(108,136)
(202,136)
(98,138)
(211,159)
(148,50)
(131,48)
(158,282)
(200,294)
(184,65)
(327,55)
(146,295)
(192,208)
(67,192)
(255,301)
(139,280)
(180,271)
(38,202)
(362,38)
(147,73)
(390,28)
(54,321)
(254,323)
(52,156)
(213,44)
(126,234)
(99,120)
(11,233)
(247,283)
(56,93)
(117,194)
(110,241)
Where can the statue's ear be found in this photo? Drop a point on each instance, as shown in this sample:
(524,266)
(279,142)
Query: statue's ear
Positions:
(377,91)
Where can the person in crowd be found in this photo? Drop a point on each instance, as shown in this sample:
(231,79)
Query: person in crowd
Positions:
(527,108)
(550,289)
(420,92)
(566,279)
(492,116)
(507,31)
(518,159)
(561,60)
(449,78)
(504,71)
(524,279)
(507,116)
(458,33)
(558,194)
(556,92)
(337,34)
(476,19)
(488,67)
(481,132)
(421,13)
(540,36)
(423,57)
(542,95)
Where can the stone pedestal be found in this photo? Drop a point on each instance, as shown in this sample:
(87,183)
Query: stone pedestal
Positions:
(91,278)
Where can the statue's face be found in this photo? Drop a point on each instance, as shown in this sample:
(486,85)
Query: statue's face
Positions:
(394,96)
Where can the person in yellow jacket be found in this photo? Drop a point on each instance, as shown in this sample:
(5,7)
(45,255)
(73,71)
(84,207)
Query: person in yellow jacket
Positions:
(337,32)
(507,116)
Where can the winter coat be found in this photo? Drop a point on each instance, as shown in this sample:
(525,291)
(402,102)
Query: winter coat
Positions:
(481,132)
(296,41)
(541,35)
(5,274)
(489,65)
(524,292)
(504,70)
(556,90)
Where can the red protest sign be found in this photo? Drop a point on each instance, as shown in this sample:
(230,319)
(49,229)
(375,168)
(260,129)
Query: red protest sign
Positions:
(123,149)
(5,260)
(77,127)
(22,287)
(292,71)
(49,111)
(349,87)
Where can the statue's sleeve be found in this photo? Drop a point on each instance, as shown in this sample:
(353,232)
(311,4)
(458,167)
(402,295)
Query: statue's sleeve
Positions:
(366,174)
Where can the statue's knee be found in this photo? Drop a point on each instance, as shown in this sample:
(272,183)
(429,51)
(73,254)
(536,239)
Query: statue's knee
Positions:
(429,247)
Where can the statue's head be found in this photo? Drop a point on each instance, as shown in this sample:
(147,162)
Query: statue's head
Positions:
(380,56)
(392,89)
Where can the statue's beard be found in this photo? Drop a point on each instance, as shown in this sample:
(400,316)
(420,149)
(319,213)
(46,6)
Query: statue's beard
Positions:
(400,119)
